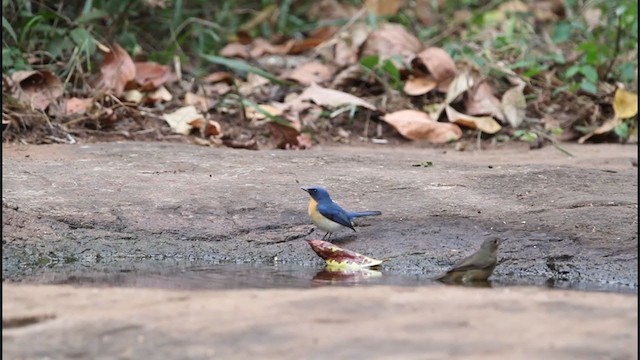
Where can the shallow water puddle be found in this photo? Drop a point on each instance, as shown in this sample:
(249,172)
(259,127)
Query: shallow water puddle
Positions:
(203,275)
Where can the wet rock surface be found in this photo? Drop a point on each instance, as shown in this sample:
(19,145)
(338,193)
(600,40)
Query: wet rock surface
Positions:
(131,208)
(572,219)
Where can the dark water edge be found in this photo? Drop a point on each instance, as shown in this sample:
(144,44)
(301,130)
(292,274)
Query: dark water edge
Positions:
(205,275)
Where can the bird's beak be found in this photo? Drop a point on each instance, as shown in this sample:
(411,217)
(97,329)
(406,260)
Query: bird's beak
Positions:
(305,189)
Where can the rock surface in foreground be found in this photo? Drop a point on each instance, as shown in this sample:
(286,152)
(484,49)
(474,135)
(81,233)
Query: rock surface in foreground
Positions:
(440,322)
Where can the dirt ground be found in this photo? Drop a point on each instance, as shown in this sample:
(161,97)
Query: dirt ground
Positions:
(90,206)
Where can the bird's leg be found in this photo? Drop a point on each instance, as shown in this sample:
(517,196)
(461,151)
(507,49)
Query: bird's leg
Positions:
(325,235)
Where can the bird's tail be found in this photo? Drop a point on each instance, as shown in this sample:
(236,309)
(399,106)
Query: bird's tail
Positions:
(364,213)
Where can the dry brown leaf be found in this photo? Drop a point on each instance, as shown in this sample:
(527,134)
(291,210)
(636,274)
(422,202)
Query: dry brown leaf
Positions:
(347,76)
(220,88)
(253,82)
(133,96)
(347,46)
(261,47)
(219,76)
(458,86)
(254,114)
(182,120)
(514,105)
(481,101)
(160,95)
(604,128)
(417,125)
(300,46)
(384,7)
(390,40)
(485,124)
(593,17)
(117,70)
(331,10)
(212,128)
(37,88)
(310,73)
(512,7)
(332,98)
(625,104)
(235,50)
(440,66)
(288,137)
(426,12)
(77,106)
(547,10)
(200,102)
(150,75)
(415,86)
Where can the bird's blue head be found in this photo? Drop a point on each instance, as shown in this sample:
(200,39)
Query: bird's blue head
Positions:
(317,193)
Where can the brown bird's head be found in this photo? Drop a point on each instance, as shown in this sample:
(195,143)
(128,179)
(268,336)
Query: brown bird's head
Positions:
(491,244)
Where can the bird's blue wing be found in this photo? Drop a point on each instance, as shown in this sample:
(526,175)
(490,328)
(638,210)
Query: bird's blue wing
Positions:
(335,213)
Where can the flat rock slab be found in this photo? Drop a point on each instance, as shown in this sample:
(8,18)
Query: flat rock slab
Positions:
(61,322)
(565,219)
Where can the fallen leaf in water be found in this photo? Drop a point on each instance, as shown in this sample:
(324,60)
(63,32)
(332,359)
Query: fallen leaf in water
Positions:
(391,40)
(151,75)
(417,125)
(339,258)
(332,98)
(37,88)
(332,275)
(481,101)
(415,86)
(625,104)
(182,120)
(235,50)
(117,70)
(310,73)
(440,65)
(514,105)
(485,124)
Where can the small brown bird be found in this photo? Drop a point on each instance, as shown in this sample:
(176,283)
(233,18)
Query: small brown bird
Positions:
(476,267)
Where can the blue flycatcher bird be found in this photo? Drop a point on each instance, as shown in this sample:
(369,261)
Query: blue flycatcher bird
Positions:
(329,216)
